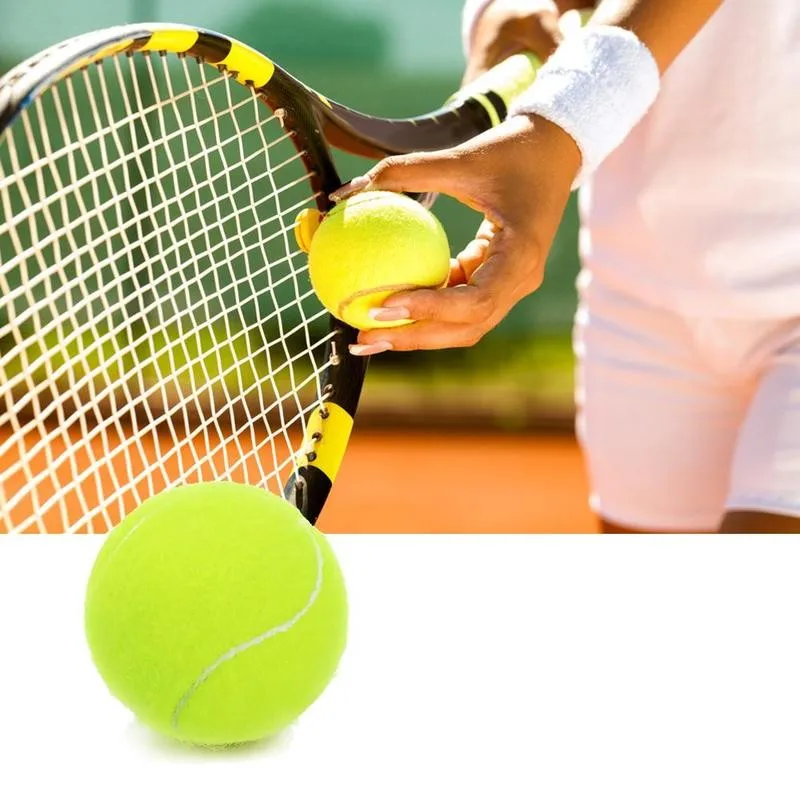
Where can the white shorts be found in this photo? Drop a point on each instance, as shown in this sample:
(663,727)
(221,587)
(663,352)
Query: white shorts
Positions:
(682,419)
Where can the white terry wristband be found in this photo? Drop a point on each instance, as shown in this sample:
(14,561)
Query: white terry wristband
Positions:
(597,86)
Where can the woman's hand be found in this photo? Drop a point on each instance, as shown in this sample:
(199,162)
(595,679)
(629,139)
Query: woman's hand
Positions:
(517,175)
(507,27)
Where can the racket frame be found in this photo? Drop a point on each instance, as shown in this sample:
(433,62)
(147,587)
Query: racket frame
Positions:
(317,124)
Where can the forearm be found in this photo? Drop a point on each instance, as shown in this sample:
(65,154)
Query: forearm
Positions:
(665,27)
(595,85)
(599,83)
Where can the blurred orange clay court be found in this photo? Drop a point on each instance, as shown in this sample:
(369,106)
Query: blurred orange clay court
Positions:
(391,481)
(422,482)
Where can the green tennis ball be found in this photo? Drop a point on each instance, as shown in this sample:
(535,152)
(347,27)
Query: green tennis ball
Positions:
(216,613)
(371,246)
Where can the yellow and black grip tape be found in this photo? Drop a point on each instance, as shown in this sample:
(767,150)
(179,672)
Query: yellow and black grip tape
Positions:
(509,79)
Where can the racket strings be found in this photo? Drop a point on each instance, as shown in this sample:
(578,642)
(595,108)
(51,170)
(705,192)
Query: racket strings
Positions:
(157,324)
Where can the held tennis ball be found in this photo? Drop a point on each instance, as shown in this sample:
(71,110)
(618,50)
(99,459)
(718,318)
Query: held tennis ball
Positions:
(371,246)
(216,613)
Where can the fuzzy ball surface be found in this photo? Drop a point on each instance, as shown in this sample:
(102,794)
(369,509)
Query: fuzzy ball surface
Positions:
(373,245)
(216,613)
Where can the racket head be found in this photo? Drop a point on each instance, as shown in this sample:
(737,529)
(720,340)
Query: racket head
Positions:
(49,378)
(188,356)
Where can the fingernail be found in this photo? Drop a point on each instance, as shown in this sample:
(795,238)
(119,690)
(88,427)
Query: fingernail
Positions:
(370,349)
(350,188)
(389,314)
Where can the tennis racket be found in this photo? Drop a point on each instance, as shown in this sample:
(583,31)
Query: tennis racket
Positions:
(157,323)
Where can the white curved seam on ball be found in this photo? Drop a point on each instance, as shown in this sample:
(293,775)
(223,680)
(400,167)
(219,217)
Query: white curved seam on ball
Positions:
(393,288)
(126,537)
(262,637)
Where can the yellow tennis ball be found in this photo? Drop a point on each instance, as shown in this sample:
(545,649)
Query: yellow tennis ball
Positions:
(372,246)
(216,613)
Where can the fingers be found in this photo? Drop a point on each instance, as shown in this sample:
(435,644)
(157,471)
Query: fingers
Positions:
(455,317)
(464,304)
(461,314)
(472,256)
(522,199)
(490,57)
(419,336)
(486,230)
(463,266)
(415,172)
(451,172)
(475,251)
(570,23)
(486,173)
(370,348)
(457,275)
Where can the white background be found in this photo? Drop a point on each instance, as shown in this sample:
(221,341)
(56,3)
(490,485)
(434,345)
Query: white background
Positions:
(492,667)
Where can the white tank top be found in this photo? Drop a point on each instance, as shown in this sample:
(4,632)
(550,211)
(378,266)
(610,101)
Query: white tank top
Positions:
(699,209)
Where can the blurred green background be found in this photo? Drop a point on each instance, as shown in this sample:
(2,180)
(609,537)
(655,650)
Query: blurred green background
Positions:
(391,59)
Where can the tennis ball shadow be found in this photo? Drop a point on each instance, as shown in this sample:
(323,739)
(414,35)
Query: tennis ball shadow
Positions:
(145,739)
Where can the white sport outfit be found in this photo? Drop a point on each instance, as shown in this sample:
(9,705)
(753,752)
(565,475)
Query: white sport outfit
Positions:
(688,329)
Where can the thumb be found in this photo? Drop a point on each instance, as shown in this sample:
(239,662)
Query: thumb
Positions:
(440,171)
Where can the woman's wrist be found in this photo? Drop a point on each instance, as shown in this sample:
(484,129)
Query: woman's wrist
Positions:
(596,87)
(553,157)
(531,157)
